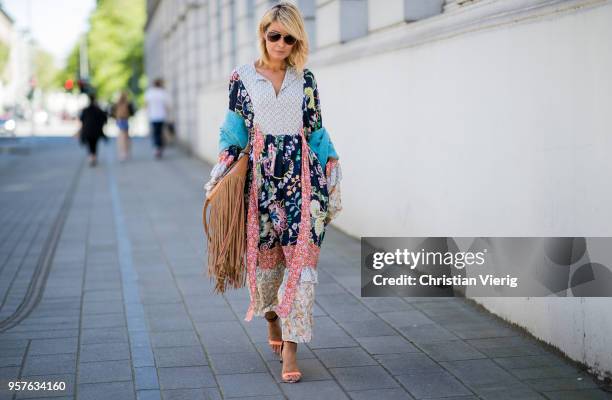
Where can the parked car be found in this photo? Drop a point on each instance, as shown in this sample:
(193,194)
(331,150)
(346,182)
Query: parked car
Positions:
(7,126)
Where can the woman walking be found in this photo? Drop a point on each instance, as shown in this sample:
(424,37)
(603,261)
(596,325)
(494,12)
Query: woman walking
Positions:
(93,120)
(122,111)
(292,183)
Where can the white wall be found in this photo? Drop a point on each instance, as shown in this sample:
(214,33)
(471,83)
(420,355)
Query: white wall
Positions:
(580,327)
(497,129)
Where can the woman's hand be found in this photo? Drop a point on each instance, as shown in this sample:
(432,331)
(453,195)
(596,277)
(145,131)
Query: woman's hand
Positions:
(333,173)
(334,176)
(224,162)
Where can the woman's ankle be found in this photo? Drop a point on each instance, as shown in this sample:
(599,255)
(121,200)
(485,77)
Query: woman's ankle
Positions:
(270,316)
(290,346)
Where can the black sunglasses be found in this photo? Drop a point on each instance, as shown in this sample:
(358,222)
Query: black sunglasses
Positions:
(273,36)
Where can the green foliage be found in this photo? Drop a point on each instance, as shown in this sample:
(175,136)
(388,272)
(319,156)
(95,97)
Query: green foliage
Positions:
(45,69)
(115,44)
(71,70)
(5,51)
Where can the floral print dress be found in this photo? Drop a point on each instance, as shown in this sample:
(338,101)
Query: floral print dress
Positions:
(287,194)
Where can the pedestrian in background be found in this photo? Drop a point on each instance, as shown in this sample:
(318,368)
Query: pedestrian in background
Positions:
(93,119)
(157,102)
(122,111)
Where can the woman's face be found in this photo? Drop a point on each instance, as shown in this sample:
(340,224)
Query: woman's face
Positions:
(279,50)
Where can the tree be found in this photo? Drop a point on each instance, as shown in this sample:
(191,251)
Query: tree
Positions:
(115,43)
(45,70)
(71,69)
(4,57)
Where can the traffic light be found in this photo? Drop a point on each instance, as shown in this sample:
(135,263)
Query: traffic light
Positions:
(69,85)
(84,86)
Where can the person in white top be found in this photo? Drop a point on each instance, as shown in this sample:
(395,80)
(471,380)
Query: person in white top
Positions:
(158,103)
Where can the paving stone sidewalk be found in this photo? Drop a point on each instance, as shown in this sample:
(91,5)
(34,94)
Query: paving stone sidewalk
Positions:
(126,311)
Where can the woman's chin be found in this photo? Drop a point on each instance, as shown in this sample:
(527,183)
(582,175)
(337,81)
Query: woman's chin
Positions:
(278,57)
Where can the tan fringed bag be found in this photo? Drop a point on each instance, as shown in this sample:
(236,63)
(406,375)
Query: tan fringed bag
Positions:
(226,227)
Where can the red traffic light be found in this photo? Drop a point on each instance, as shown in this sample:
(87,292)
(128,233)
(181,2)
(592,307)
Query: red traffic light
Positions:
(69,84)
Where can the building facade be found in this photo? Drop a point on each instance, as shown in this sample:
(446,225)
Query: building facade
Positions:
(16,73)
(476,118)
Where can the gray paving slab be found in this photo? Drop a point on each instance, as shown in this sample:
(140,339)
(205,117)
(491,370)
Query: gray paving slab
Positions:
(103,321)
(588,394)
(311,368)
(174,338)
(451,350)
(367,328)
(242,385)
(148,394)
(106,335)
(104,352)
(557,384)
(381,394)
(429,333)
(192,394)
(10,361)
(185,377)
(509,393)
(8,374)
(146,380)
(238,363)
(425,384)
(482,373)
(322,389)
(185,356)
(362,378)
(50,364)
(105,371)
(386,345)
(402,363)
(345,357)
(408,318)
(105,391)
(53,346)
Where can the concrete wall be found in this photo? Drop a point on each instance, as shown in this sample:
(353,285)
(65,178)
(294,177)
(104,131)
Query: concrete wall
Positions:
(486,120)
(500,130)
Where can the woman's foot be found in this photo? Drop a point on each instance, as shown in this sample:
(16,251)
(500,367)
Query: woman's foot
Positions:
(275,333)
(290,372)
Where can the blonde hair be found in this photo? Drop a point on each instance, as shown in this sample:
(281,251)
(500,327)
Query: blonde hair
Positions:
(290,17)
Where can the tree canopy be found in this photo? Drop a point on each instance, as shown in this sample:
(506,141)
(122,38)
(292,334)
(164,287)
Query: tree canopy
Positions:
(45,69)
(115,43)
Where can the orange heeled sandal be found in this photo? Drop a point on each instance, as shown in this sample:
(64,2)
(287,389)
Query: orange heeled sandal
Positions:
(291,376)
(275,345)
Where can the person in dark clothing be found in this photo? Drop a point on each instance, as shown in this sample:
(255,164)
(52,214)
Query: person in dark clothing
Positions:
(93,120)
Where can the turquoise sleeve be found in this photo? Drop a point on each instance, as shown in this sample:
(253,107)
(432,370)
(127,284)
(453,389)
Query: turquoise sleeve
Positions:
(233,131)
(321,144)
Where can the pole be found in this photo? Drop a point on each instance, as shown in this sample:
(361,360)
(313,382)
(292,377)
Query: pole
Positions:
(83,60)
(29,47)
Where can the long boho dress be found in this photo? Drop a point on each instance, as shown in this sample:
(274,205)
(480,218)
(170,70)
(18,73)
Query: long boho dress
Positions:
(288,196)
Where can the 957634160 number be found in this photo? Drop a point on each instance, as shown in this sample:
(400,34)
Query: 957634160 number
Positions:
(36,386)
